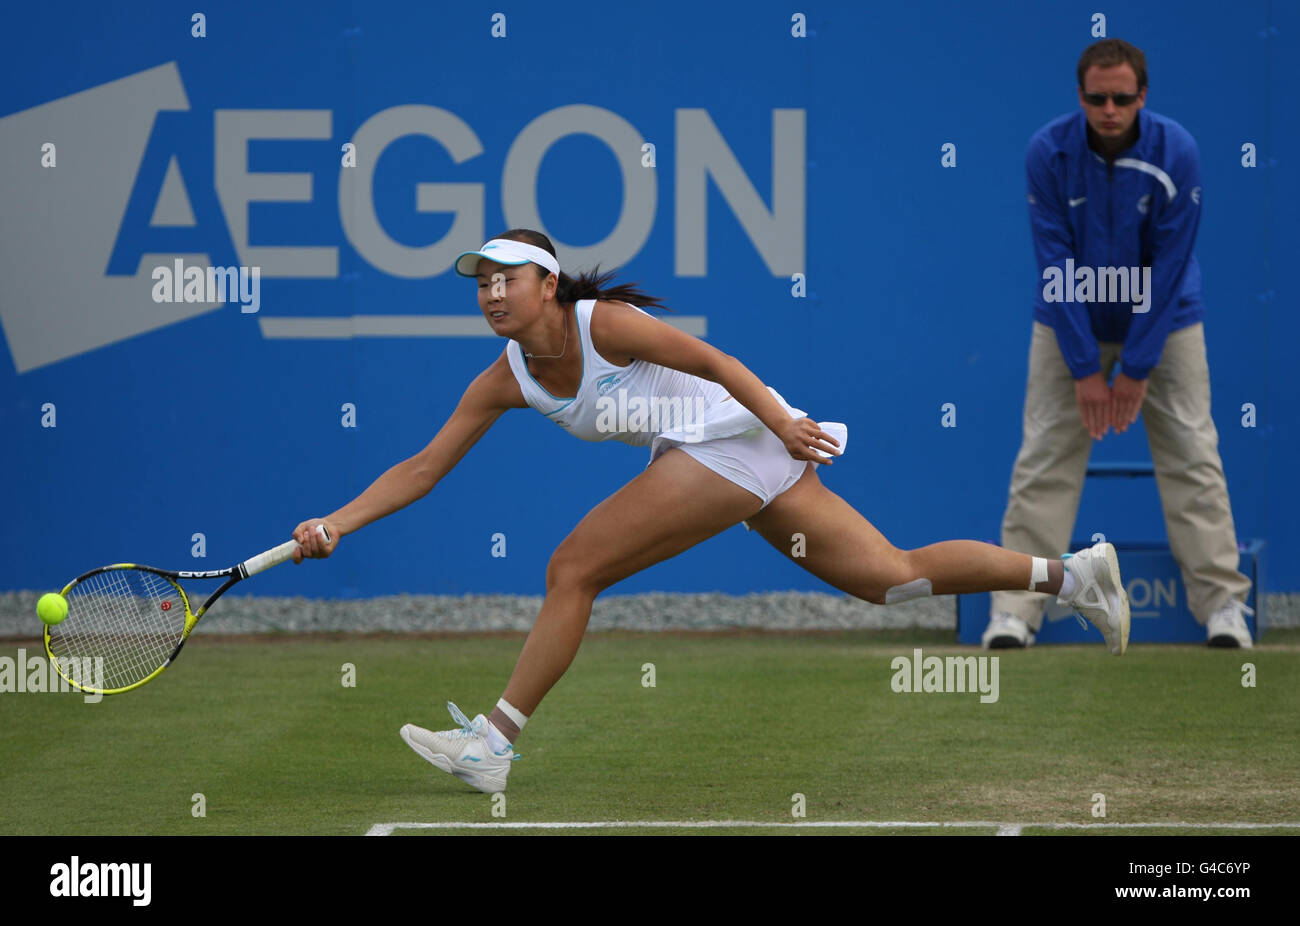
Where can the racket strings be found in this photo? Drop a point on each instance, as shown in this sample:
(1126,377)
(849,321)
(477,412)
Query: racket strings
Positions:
(122,625)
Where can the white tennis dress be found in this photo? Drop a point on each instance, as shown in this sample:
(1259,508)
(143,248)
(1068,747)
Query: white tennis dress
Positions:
(645,404)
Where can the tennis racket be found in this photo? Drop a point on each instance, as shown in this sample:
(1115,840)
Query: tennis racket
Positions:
(126,622)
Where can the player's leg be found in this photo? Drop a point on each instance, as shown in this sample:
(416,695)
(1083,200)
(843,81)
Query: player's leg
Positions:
(1193,490)
(823,533)
(841,547)
(673,505)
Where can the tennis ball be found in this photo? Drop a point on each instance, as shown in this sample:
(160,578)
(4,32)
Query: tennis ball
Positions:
(52,608)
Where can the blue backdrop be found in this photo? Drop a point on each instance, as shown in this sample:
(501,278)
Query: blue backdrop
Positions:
(773,154)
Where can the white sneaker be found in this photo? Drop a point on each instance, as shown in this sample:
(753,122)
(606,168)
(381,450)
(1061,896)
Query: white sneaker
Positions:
(1227,627)
(1099,593)
(1006,631)
(463,752)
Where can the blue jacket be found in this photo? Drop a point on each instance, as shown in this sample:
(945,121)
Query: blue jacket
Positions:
(1142,211)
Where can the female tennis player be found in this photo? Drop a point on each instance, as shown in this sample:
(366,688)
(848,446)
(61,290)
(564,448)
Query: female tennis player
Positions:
(724,448)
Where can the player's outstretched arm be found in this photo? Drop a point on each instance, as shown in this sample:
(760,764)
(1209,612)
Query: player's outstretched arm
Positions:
(618,330)
(491,393)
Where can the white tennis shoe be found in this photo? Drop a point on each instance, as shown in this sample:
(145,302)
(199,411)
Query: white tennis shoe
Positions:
(1099,593)
(463,752)
(1007,631)
(1227,626)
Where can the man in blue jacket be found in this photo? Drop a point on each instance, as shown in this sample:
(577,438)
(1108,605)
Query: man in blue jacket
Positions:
(1114,204)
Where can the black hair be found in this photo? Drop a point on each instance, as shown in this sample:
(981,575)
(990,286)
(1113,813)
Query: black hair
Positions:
(589,285)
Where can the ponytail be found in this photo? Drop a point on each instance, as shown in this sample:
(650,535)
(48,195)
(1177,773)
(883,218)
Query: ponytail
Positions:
(594,285)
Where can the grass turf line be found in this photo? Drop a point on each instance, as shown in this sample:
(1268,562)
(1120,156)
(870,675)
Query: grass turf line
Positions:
(733,728)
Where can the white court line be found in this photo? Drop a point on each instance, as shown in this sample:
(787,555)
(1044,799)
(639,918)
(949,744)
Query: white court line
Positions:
(1003,829)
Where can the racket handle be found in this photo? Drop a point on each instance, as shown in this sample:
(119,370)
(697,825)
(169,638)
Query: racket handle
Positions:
(277,555)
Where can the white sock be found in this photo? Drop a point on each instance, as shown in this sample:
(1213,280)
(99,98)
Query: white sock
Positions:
(1067,585)
(496,738)
(496,742)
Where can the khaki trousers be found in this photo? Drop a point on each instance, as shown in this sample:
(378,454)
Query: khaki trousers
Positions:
(1050,470)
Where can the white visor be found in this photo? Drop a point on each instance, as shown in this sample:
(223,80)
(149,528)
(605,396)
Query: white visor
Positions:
(504,251)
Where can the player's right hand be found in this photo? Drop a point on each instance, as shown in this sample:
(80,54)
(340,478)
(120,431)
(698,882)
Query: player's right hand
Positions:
(310,542)
(1096,404)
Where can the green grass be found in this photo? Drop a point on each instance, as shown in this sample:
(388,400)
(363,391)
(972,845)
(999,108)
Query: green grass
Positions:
(734,727)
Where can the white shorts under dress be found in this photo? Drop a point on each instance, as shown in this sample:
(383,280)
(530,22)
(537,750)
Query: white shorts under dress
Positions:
(756,461)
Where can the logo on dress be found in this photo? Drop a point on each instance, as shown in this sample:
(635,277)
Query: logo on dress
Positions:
(606,383)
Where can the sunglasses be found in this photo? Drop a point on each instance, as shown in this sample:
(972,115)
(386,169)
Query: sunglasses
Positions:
(1121,99)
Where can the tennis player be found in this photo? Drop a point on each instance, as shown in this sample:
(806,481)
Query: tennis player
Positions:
(724,449)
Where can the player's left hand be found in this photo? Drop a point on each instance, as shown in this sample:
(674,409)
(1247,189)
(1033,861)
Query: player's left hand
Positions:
(802,434)
(1129,395)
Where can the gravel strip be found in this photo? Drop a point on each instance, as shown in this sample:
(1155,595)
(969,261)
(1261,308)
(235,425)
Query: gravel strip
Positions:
(493,613)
